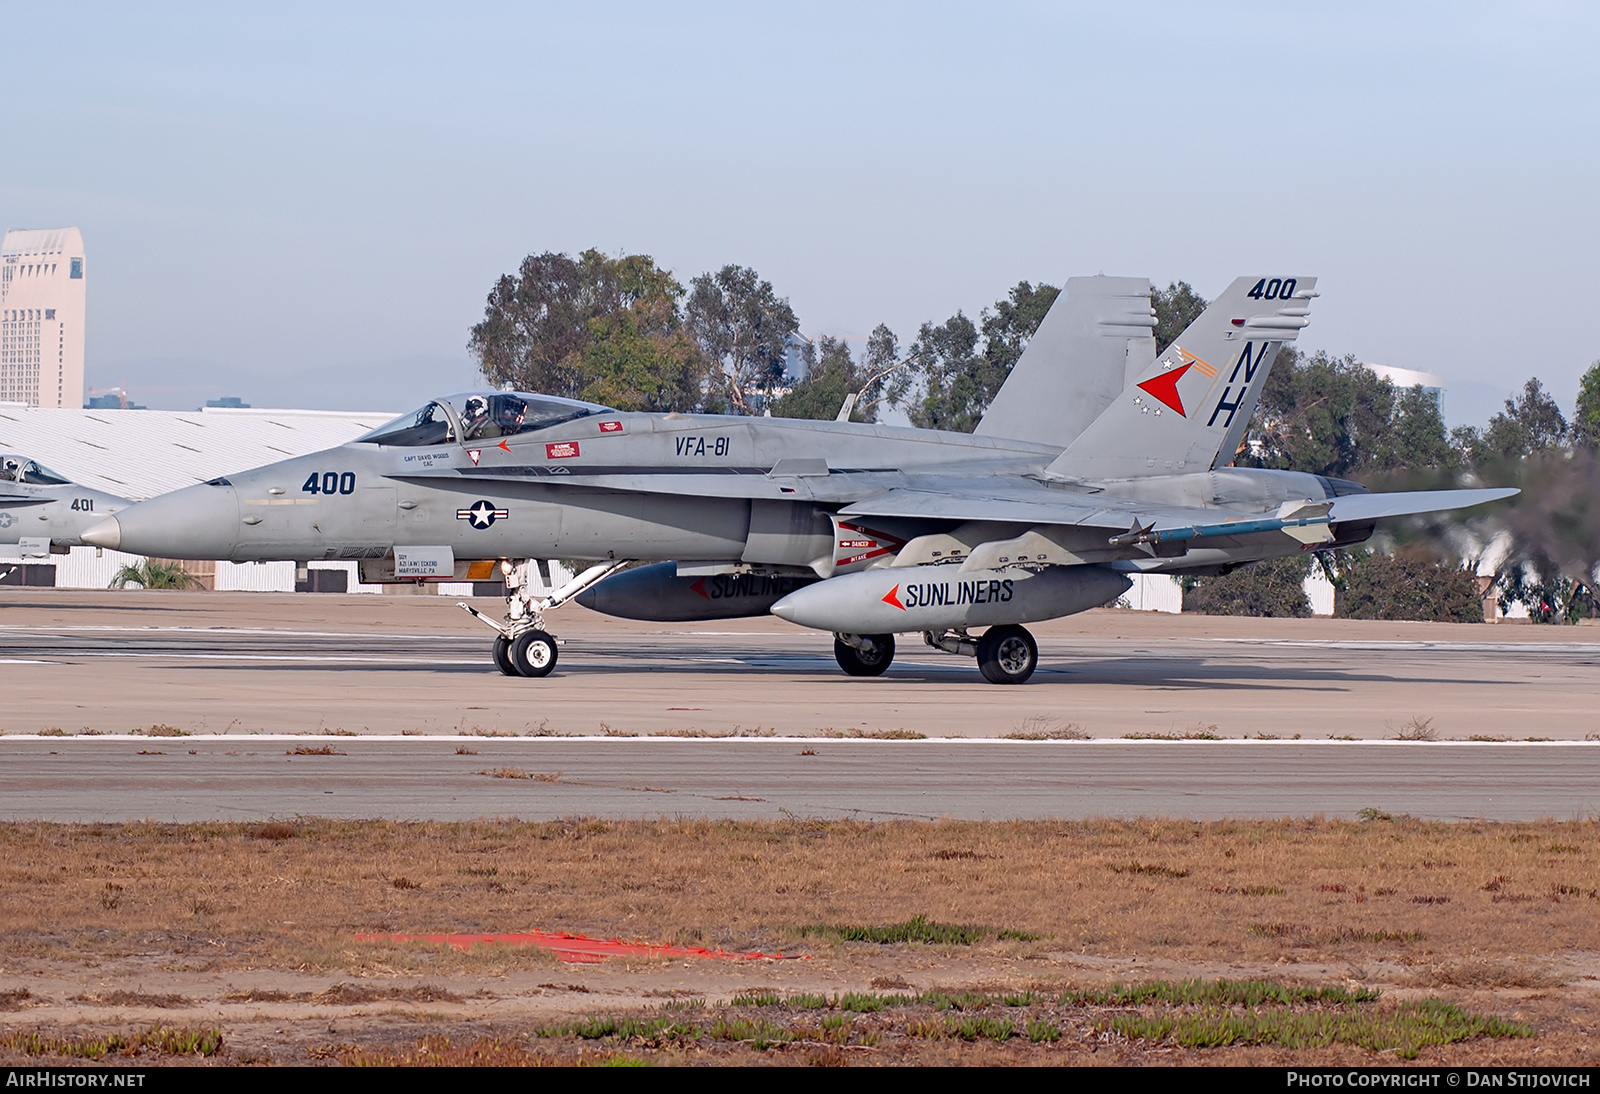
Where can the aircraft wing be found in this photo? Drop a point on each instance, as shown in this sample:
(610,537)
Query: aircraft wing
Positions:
(885,492)
(1018,503)
(1039,505)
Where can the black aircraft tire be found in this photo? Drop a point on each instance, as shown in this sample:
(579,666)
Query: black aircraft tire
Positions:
(502,656)
(1007,655)
(873,662)
(533,653)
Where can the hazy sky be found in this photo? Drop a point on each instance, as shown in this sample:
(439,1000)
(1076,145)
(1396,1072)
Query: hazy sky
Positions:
(308,205)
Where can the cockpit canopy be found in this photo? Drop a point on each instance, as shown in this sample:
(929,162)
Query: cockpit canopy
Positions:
(476,415)
(15,468)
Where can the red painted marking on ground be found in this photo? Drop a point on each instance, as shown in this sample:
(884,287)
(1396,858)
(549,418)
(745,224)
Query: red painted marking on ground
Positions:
(573,947)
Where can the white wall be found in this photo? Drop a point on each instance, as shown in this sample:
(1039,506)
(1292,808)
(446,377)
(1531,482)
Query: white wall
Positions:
(1319,590)
(84,568)
(1155,593)
(255,577)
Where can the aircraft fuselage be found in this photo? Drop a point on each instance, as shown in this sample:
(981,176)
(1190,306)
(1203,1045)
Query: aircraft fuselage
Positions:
(650,487)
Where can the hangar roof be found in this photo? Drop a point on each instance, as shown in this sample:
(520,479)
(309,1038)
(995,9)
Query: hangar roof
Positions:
(141,453)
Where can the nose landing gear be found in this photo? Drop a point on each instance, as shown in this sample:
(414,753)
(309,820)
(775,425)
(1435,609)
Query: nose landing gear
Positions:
(522,646)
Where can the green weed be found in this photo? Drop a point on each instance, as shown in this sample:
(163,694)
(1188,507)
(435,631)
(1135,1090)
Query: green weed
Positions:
(1405,1030)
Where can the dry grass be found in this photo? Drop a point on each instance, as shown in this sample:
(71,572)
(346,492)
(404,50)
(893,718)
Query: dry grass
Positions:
(1496,918)
(1479,974)
(1419,894)
(345,995)
(1193,733)
(1042,727)
(1418,729)
(167,1001)
(855,733)
(736,731)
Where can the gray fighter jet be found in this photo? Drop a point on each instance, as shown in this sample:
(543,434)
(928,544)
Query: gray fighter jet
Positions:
(1097,460)
(42,511)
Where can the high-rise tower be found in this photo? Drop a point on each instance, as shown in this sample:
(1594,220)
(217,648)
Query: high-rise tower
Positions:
(41,317)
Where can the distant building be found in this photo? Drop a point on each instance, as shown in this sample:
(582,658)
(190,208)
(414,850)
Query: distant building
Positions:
(797,350)
(228,402)
(115,400)
(41,317)
(1405,378)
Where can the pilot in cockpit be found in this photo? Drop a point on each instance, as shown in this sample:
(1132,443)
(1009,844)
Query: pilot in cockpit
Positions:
(475,421)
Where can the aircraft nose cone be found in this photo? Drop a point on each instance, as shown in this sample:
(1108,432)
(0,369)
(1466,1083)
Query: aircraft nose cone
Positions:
(198,522)
(107,534)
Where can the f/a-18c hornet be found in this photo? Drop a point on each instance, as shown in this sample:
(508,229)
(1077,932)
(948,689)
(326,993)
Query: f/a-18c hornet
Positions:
(43,512)
(1097,460)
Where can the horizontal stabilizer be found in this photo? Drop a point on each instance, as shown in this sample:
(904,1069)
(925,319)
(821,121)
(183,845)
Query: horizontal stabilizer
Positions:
(1408,502)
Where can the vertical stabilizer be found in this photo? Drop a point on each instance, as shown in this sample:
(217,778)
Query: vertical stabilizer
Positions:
(1188,410)
(1095,336)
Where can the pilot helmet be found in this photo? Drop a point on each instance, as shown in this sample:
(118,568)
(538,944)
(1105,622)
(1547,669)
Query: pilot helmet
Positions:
(476,407)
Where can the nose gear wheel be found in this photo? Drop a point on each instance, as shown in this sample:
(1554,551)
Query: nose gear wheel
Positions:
(502,656)
(533,653)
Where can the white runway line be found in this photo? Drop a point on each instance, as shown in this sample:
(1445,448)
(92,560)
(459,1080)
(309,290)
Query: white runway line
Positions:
(45,632)
(179,655)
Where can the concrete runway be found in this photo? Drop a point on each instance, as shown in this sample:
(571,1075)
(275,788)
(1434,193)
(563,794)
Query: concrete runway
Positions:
(196,779)
(111,662)
(410,675)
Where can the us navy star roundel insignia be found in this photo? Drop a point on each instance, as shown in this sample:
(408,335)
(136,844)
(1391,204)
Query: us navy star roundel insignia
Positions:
(482,514)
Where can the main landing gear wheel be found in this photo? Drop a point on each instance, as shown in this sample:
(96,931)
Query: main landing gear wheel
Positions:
(502,656)
(872,658)
(1007,655)
(533,653)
